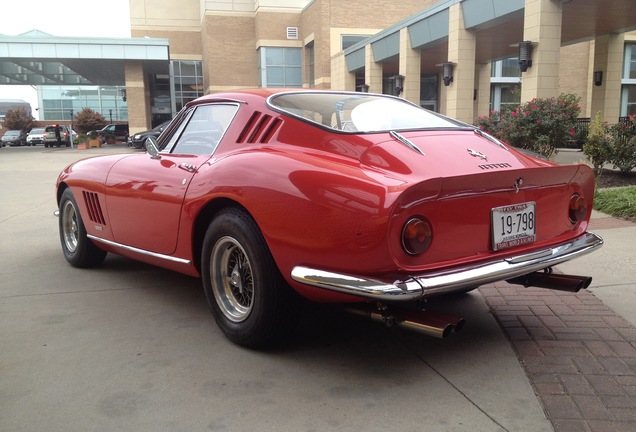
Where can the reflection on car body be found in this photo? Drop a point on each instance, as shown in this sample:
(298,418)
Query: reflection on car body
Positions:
(138,140)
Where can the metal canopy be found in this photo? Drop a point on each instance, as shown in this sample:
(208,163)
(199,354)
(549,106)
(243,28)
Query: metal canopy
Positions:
(37,58)
(499,24)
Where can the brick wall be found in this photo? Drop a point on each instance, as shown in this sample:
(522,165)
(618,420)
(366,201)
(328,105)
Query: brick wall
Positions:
(229,52)
(574,73)
(137,95)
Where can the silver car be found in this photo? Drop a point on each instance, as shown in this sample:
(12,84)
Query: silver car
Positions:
(36,136)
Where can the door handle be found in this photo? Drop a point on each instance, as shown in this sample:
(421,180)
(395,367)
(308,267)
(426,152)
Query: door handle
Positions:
(188,167)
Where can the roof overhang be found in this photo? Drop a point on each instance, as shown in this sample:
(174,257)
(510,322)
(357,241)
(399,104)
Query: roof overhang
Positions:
(39,59)
(498,25)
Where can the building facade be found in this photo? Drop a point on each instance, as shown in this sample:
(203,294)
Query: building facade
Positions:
(457,57)
(13,105)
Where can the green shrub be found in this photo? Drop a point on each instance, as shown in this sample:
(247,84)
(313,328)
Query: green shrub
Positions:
(623,155)
(598,146)
(489,123)
(540,125)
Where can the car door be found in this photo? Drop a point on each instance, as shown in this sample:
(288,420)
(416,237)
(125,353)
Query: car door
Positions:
(144,195)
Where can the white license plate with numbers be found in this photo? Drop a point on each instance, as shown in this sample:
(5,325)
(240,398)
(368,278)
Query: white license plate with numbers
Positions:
(513,225)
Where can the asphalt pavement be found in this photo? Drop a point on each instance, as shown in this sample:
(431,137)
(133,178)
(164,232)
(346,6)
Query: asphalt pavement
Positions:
(130,347)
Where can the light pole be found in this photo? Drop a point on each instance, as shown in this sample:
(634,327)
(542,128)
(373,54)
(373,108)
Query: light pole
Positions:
(70,133)
(110,113)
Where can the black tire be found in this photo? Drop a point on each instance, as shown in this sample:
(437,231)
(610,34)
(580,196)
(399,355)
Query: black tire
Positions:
(78,249)
(248,297)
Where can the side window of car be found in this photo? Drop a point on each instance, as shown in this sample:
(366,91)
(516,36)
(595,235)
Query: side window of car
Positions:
(205,128)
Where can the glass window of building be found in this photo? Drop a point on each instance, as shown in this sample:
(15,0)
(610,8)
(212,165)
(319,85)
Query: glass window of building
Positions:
(350,40)
(505,84)
(187,84)
(429,85)
(628,93)
(280,67)
(58,102)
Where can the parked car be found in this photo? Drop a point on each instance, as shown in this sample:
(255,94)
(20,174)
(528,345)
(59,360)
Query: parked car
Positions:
(138,140)
(56,136)
(119,131)
(14,138)
(36,136)
(365,199)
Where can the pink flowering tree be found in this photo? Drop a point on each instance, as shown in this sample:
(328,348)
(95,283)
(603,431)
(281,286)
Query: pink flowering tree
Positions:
(541,125)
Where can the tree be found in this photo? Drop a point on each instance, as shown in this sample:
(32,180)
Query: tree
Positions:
(18,120)
(88,120)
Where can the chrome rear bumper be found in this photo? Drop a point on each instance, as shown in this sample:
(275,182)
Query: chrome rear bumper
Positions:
(449,280)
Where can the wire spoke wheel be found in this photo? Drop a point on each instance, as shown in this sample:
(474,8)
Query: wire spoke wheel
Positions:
(78,249)
(70,230)
(246,293)
(232,279)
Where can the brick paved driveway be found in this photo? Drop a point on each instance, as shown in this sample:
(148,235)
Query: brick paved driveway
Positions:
(579,355)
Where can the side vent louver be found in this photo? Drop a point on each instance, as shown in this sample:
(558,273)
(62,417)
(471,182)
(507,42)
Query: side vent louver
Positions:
(259,128)
(94,209)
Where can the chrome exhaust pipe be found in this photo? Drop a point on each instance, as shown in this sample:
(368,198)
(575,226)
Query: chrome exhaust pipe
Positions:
(554,281)
(425,322)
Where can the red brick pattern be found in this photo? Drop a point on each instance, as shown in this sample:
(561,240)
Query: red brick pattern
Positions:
(579,355)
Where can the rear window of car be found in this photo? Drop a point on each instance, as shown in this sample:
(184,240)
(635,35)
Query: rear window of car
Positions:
(13,133)
(36,131)
(360,112)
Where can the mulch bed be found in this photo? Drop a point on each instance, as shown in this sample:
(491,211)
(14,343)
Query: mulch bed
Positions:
(610,178)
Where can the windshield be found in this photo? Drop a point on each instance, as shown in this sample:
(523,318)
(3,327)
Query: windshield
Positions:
(360,112)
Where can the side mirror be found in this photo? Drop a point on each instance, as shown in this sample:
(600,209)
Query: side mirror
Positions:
(152,149)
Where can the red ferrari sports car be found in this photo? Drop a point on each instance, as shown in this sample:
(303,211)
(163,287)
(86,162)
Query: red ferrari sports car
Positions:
(272,196)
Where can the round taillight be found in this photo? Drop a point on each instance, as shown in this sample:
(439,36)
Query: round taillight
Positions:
(578,208)
(417,236)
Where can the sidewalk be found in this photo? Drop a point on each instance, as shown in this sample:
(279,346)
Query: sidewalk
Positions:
(579,350)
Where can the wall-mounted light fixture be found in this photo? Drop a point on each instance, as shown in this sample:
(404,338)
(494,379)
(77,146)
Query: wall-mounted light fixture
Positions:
(447,72)
(398,84)
(123,94)
(525,55)
(364,88)
(598,78)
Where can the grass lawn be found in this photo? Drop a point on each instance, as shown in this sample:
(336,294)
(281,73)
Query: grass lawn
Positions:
(619,202)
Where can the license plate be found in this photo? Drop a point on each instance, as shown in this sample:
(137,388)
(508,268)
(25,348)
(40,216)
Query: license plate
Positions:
(513,225)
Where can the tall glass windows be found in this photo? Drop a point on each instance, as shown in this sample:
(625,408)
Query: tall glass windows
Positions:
(187,82)
(280,67)
(57,102)
(505,84)
(628,93)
